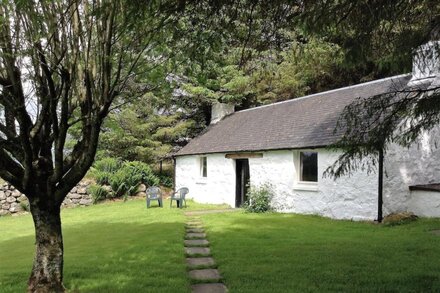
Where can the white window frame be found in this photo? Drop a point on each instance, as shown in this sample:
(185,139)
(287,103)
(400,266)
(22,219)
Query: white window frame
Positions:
(304,185)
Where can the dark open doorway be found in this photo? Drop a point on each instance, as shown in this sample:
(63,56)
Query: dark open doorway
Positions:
(242,173)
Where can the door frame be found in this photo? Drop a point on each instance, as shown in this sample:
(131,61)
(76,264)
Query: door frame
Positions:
(242,180)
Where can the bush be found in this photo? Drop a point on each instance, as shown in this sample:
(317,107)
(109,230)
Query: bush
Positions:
(165,180)
(125,183)
(98,193)
(102,170)
(144,171)
(25,206)
(124,178)
(101,177)
(259,199)
(108,165)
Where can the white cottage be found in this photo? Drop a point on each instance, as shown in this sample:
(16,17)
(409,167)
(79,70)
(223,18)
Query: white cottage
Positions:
(285,144)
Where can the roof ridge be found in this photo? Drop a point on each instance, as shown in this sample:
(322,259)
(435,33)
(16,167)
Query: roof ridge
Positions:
(329,91)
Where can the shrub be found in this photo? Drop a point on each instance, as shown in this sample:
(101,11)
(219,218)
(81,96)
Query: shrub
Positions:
(144,172)
(125,183)
(124,178)
(101,177)
(109,165)
(98,193)
(102,170)
(165,180)
(25,206)
(259,199)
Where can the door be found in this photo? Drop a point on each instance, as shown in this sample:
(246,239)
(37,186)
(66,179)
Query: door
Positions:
(242,181)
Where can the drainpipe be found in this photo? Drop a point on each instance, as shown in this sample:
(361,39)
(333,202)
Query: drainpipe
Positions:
(174,174)
(380,187)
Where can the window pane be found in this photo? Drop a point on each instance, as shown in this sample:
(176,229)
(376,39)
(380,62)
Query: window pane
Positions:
(204,163)
(309,166)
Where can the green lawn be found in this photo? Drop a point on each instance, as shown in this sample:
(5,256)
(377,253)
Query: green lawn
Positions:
(123,247)
(112,247)
(294,253)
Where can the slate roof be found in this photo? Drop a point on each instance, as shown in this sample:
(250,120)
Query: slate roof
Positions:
(306,122)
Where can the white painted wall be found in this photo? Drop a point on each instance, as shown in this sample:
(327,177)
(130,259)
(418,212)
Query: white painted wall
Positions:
(425,203)
(347,198)
(419,164)
(353,197)
(217,188)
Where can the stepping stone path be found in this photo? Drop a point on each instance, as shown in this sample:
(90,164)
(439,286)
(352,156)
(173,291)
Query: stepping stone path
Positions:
(196,242)
(202,267)
(435,232)
(191,235)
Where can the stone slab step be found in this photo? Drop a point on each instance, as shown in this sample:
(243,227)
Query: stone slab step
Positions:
(197,251)
(200,262)
(209,288)
(205,275)
(193,217)
(204,212)
(195,230)
(196,242)
(435,232)
(195,235)
(194,222)
(194,226)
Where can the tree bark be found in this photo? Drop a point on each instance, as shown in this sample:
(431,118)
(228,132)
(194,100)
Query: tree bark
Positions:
(47,270)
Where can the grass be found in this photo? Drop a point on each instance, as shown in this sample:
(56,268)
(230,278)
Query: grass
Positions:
(110,247)
(295,253)
(123,247)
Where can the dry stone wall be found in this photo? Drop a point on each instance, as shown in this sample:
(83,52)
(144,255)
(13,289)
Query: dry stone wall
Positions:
(78,196)
(14,202)
(11,200)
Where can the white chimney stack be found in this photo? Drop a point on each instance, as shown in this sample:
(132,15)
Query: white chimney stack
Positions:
(221,110)
(426,61)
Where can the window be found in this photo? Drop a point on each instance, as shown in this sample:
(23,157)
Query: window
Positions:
(203,167)
(308,167)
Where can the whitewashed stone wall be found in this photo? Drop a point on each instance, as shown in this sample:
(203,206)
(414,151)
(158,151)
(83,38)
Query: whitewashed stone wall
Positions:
(14,202)
(217,188)
(352,197)
(419,164)
(425,203)
(349,197)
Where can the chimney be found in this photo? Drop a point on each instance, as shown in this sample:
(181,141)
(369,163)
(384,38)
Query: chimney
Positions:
(426,61)
(220,111)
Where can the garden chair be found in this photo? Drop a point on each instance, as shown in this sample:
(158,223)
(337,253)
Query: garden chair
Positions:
(154,193)
(179,197)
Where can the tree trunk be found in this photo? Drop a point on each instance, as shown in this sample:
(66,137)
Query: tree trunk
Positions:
(47,271)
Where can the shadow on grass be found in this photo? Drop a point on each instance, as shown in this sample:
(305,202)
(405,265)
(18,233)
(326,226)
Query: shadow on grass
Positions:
(108,257)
